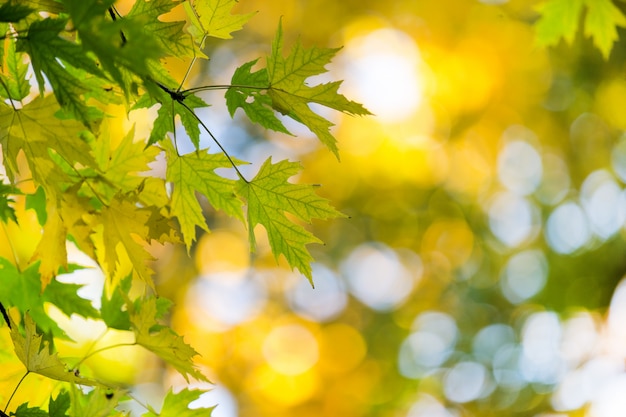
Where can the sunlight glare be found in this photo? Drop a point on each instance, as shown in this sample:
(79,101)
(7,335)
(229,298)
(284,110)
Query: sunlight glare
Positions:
(382,72)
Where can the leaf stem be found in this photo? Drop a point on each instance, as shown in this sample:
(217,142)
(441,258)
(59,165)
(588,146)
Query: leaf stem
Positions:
(6,407)
(95,352)
(221,87)
(216,141)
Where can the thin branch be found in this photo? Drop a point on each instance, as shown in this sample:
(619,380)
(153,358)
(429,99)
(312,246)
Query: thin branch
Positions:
(15,390)
(95,352)
(215,140)
(221,87)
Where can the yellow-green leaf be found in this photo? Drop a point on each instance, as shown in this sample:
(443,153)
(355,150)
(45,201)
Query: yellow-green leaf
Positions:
(214,18)
(196,172)
(270,196)
(124,227)
(601,23)
(36,356)
(163,341)
(559,19)
(177,405)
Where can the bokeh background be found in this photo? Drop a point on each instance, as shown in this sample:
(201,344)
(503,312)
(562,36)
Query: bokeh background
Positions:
(479,271)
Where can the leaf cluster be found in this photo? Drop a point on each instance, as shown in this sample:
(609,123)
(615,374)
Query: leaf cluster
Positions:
(560,19)
(66,69)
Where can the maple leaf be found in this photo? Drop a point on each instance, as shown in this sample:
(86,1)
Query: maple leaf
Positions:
(196,172)
(601,23)
(169,36)
(177,405)
(288,91)
(170,107)
(121,44)
(47,50)
(15,85)
(23,410)
(269,196)
(249,94)
(99,402)
(12,12)
(36,356)
(120,166)
(214,18)
(23,290)
(161,340)
(58,407)
(7,212)
(120,221)
(35,129)
(559,19)
(51,249)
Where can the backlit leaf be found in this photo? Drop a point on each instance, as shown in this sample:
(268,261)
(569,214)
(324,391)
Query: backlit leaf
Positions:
(163,341)
(177,405)
(22,289)
(559,19)
(601,23)
(36,356)
(269,197)
(214,18)
(46,49)
(195,172)
(35,130)
(287,91)
(169,36)
(124,227)
(15,84)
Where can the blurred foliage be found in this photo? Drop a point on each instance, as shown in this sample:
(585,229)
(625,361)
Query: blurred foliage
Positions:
(485,238)
(478,271)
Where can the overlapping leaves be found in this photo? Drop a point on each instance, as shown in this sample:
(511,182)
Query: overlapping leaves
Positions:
(97,188)
(560,19)
(286,91)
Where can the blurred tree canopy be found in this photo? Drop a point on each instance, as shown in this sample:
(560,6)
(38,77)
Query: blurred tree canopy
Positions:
(478,271)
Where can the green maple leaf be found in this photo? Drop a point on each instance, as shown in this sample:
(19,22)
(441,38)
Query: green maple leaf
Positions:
(288,91)
(36,130)
(195,172)
(22,289)
(36,356)
(59,406)
(163,341)
(169,36)
(25,411)
(99,402)
(214,18)
(12,12)
(112,311)
(46,48)
(15,85)
(601,23)
(269,196)
(7,212)
(249,95)
(168,110)
(121,45)
(177,405)
(559,19)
